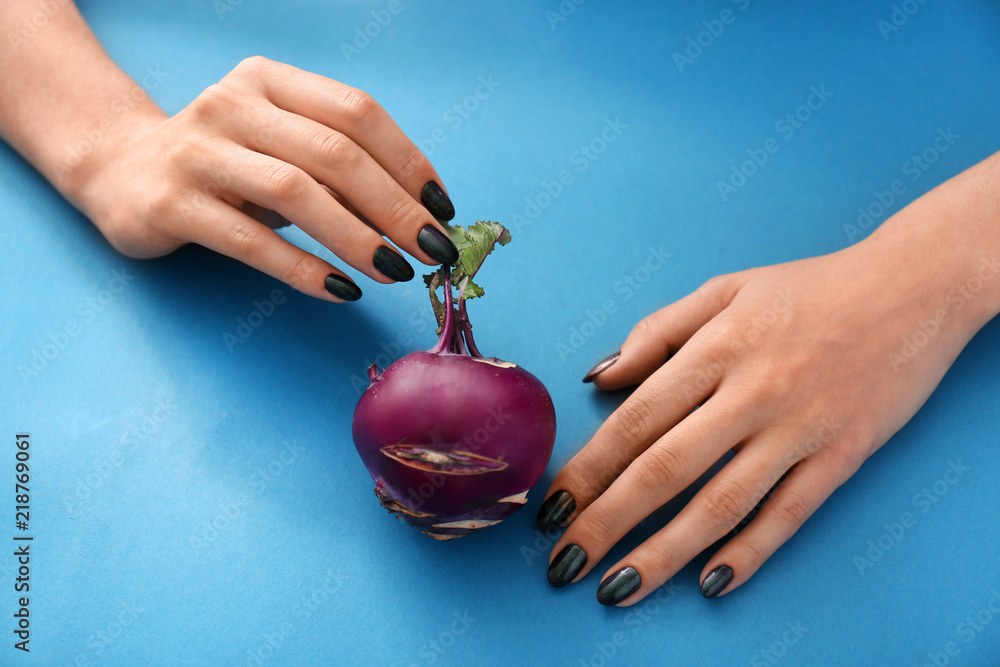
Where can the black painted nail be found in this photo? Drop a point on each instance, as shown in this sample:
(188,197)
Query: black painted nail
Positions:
(342,288)
(567,565)
(618,586)
(716,581)
(437,202)
(601,367)
(437,245)
(392,265)
(555,510)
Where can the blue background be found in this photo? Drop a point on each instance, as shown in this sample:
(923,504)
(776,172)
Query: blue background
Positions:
(160,537)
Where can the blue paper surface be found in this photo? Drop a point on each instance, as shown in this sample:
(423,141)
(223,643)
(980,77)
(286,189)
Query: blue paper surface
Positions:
(200,502)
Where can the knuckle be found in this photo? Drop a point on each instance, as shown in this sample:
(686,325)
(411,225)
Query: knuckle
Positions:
(252,65)
(749,556)
(596,531)
(727,501)
(357,105)
(792,510)
(247,239)
(634,418)
(284,181)
(658,467)
(215,100)
(402,213)
(298,274)
(335,148)
(412,162)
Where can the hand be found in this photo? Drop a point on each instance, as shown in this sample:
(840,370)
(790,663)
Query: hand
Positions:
(273,143)
(803,369)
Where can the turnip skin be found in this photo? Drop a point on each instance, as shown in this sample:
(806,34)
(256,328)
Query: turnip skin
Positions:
(453,439)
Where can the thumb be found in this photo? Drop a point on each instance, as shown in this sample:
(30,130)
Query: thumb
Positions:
(662,333)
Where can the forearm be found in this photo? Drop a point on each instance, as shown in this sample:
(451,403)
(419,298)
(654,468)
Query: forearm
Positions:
(63,102)
(949,243)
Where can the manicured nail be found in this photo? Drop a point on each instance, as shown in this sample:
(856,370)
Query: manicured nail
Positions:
(437,245)
(618,586)
(716,581)
(601,367)
(342,288)
(437,202)
(567,565)
(555,510)
(392,265)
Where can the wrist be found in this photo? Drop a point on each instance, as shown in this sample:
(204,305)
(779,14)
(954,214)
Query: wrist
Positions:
(947,244)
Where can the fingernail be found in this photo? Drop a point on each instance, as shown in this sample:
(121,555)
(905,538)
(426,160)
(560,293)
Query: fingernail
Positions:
(342,288)
(601,367)
(618,586)
(392,265)
(716,581)
(437,202)
(437,245)
(567,565)
(555,510)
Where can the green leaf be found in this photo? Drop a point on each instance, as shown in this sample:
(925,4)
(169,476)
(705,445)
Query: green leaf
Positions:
(474,244)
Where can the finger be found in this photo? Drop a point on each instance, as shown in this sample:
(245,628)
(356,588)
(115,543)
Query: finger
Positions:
(334,160)
(664,332)
(221,228)
(659,474)
(296,196)
(718,506)
(656,407)
(360,117)
(807,487)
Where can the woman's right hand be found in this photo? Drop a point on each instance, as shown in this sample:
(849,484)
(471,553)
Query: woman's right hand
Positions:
(268,145)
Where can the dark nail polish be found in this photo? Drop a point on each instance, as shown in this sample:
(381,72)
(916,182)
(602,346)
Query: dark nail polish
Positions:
(437,245)
(392,265)
(567,565)
(618,586)
(436,200)
(555,510)
(601,367)
(342,288)
(716,581)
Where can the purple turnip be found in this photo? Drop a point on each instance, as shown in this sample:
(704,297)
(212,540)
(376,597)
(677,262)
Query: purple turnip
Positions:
(453,439)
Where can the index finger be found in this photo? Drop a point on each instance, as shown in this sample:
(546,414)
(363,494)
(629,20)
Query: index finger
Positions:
(356,114)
